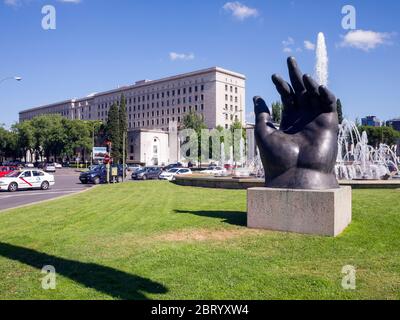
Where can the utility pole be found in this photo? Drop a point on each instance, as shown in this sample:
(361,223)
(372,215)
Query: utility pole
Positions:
(123,155)
(91,159)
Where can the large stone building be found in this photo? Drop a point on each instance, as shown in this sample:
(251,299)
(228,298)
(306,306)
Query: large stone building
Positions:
(215,93)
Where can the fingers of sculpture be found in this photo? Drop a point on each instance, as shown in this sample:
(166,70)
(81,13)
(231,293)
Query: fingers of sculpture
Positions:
(311,85)
(328,99)
(296,76)
(261,109)
(264,124)
(284,89)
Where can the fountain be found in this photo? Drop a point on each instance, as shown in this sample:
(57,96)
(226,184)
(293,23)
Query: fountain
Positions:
(321,66)
(356,159)
(359,161)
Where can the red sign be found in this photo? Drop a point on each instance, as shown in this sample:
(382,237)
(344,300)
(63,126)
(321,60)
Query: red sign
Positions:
(107,159)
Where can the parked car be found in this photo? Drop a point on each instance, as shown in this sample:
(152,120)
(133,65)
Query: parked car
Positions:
(58,165)
(98,175)
(217,170)
(29,165)
(172,173)
(5,170)
(50,167)
(148,173)
(26,179)
(173,165)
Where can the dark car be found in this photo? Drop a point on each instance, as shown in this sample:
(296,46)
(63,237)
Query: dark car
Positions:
(98,174)
(148,173)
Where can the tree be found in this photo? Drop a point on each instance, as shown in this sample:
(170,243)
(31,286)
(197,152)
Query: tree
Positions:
(195,121)
(339,111)
(123,128)
(276,111)
(378,135)
(25,138)
(8,142)
(113,133)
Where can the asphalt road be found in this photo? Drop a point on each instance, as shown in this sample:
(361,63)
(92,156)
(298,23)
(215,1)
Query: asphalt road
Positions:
(67,183)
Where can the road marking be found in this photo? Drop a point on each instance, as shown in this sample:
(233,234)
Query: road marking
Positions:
(34,194)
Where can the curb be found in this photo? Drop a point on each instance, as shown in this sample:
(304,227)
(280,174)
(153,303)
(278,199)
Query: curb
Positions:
(49,200)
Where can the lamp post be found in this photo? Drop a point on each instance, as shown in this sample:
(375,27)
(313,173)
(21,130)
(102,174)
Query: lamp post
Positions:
(11,78)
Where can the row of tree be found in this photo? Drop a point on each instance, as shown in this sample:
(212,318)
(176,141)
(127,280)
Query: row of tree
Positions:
(55,138)
(49,137)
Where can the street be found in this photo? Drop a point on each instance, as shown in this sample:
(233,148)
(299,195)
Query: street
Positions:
(67,183)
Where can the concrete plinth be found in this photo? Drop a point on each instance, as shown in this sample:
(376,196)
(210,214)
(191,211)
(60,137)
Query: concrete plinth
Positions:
(326,212)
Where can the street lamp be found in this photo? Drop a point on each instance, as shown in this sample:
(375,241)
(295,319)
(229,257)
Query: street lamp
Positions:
(11,78)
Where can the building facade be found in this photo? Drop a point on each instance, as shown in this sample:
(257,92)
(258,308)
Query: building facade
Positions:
(371,121)
(154,107)
(215,93)
(394,123)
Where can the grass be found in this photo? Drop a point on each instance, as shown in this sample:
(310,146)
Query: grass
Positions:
(156,240)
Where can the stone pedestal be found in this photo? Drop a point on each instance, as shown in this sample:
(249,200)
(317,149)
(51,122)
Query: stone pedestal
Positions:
(326,212)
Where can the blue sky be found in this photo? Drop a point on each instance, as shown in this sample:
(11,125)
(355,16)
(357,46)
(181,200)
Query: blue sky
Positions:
(100,44)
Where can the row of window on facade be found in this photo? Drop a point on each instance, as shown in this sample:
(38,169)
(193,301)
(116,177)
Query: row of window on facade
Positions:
(157,104)
(227,98)
(162,95)
(154,122)
(231,88)
(227,117)
(158,113)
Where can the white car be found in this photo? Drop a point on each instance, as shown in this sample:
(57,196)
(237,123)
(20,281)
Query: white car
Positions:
(214,171)
(50,167)
(58,166)
(26,179)
(172,173)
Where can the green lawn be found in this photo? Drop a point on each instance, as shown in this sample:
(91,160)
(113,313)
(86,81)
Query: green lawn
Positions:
(155,240)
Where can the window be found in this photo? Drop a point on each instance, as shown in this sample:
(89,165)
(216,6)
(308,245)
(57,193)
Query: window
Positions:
(27,174)
(38,174)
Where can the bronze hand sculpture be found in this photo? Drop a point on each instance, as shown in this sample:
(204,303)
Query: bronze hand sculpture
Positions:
(302,153)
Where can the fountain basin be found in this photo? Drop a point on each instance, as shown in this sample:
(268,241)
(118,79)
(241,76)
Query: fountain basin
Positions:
(208,181)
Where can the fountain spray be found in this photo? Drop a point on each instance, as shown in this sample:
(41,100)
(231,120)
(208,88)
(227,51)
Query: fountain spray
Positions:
(321,66)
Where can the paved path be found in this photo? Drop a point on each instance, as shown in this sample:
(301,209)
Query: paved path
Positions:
(67,183)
